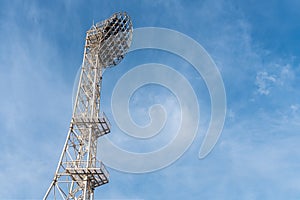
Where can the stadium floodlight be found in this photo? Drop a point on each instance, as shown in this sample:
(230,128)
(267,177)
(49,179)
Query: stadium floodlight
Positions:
(79,171)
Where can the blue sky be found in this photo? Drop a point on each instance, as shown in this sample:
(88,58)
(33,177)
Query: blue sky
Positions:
(255,45)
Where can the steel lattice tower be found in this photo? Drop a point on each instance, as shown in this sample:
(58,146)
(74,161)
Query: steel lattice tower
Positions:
(79,172)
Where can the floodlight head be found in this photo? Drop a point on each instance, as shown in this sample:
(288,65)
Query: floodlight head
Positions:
(111,39)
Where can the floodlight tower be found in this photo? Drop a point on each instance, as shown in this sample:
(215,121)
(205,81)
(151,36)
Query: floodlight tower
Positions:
(79,172)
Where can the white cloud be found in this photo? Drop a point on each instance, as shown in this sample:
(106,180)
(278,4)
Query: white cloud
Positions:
(231,114)
(34,96)
(264,82)
(275,77)
(295,107)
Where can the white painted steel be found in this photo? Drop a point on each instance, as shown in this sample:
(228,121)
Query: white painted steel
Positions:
(79,172)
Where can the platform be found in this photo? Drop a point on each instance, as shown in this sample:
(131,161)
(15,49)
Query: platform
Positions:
(96,175)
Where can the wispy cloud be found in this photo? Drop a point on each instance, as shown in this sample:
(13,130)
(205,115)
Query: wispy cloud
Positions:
(33,93)
(264,81)
(280,76)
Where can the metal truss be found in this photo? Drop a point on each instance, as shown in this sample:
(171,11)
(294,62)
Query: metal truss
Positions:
(79,171)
